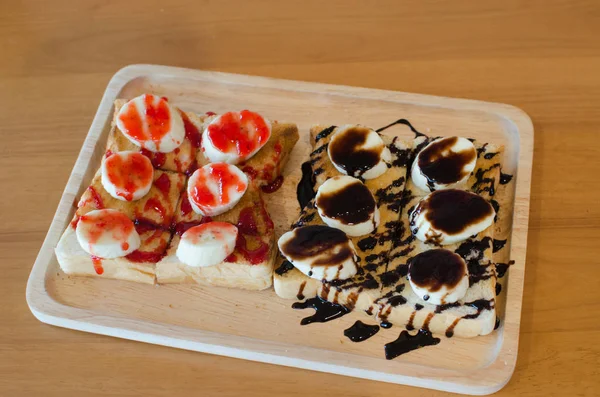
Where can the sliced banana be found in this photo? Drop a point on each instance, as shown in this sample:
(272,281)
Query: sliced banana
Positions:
(444,163)
(450,216)
(345,203)
(150,122)
(234,137)
(207,244)
(127,175)
(216,188)
(358,151)
(438,276)
(320,252)
(107,233)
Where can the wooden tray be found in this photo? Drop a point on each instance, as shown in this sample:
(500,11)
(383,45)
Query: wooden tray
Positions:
(258,325)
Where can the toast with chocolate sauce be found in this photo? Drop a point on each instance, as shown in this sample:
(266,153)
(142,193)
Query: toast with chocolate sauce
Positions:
(381,287)
(360,291)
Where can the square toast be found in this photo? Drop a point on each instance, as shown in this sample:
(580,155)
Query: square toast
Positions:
(161,216)
(381,288)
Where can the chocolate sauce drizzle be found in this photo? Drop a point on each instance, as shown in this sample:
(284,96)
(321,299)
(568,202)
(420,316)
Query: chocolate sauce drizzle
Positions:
(407,342)
(386,324)
(285,267)
(498,245)
(501,268)
(360,331)
(403,122)
(505,178)
(324,311)
(325,133)
(305,191)
(484,183)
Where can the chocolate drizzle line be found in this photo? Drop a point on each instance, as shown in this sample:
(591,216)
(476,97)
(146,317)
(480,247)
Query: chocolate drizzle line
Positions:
(285,267)
(498,245)
(325,133)
(324,311)
(305,191)
(403,122)
(386,324)
(407,342)
(501,268)
(505,178)
(360,331)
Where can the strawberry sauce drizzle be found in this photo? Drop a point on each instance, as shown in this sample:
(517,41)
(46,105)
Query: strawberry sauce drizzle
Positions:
(97,262)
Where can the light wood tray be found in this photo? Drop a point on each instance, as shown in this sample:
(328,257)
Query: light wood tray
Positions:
(258,325)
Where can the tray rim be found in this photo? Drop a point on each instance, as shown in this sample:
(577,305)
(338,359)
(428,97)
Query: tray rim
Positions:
(478,382)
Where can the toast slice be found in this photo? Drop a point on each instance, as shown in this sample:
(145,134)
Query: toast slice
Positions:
(251,264)
(475,313)
(164,214)
(390,298)
(361,291)
(152,216)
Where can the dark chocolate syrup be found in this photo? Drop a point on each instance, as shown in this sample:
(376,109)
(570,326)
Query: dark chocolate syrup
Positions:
(483,183)
(361,331)
(498,245)
(325,133)
(403,122)
(452,210)
(386,324)
(407,342)
(498,288)
(480,305)
(441,165)
(318,241)
(446,306)
(285,267)
(436,268)
(497,325)
(450,329)
(324,311)
(501,268)
(367,243)
(489,156)
(400,156)
(347,151)
(305,191)
(300,294)
(505,178)
(352,204)
(496,206)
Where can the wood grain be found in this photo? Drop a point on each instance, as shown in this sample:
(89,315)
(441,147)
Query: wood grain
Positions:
(541,56)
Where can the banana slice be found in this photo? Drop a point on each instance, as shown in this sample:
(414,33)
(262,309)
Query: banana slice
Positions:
(127,175)
(151,123)
(444,163)
(320,252)
(358,151)
(438,276)
(107,234)
(450,216)
(345,203)
(235,137)
(216,188)
(207,244)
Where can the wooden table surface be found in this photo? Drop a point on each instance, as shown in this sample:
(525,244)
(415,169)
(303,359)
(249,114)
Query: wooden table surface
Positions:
(542,56)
